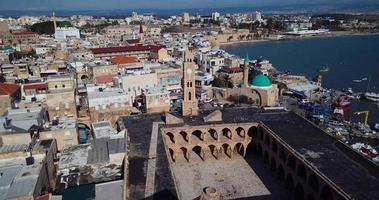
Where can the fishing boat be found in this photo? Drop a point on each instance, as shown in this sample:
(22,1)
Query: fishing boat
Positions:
(372,96)
(365,149)
(324,69)
(343,102)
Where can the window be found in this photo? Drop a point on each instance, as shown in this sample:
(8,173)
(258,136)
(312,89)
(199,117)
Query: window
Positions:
(189,96)
(56,86)
(63,86)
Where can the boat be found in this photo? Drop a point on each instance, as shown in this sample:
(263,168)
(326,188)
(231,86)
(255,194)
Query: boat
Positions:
(324,69)
(343,102)
(364,79)
(371,96)
(357,80)
(376,127)
(365,149)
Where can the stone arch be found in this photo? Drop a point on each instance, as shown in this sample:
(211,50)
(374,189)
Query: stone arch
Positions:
(226,149)
(258,101)
(281,172)
(260,134)
(267,140)
(289,181)
(273,164)
(227,133)
(274,146)
(266,157)
(197,135)
(253,133)
(282,154)
(291,162)
(313,182)
(299,192)
(170,136)
(213,134)
(172,154)
(326,193)
(259,150)
(198,150)
(241,132)
(213,151)
(301,171)
(239,149)
(185,153)
(184,136)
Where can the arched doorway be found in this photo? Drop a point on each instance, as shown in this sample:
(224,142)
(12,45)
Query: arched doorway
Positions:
(198,151)
(172,154)
(197,136)
(301,172)
(281,172)
(226,133)
(313,182)
(185,153)
(253,132)
(239,149)
(289,182)
(170,137)
(213,151)
(183,137)
(213,135)
(299,192)
(241,132)
(226,150)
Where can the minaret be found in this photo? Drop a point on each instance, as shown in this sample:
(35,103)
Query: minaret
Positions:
(189,106)
(54,21)
(246,71)
(141,34)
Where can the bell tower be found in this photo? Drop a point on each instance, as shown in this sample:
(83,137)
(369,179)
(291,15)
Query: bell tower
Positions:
(189,106)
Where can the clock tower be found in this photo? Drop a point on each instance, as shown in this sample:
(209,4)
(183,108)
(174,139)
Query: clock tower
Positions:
(189,106)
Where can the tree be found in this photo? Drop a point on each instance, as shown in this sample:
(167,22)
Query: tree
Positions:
(43,28)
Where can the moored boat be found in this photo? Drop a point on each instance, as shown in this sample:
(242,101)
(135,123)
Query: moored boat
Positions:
(372,96)
(343,102)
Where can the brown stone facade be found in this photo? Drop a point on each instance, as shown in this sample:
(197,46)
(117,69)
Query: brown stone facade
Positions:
(217,140)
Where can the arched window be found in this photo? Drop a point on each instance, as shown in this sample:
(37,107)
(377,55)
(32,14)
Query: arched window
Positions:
(189,96)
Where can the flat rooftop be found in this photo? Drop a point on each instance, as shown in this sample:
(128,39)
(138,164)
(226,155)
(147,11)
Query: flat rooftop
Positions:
(353,173)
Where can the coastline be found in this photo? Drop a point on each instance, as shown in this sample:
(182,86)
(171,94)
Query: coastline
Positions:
(288,38)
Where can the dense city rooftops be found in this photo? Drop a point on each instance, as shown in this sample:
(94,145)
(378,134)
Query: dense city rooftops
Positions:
(125,49)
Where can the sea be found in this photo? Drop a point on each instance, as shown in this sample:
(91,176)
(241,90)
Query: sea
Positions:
(348,58)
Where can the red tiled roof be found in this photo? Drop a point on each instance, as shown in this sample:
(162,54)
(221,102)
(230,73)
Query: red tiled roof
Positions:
(8,88)
(104,79)
(44,197)
(135,41)
(124,59)
(34,86)
(125,49)
(24,33)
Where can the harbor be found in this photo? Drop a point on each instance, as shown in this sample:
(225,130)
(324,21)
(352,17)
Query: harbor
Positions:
(345,106)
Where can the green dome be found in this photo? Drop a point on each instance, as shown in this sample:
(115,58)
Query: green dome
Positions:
(65,24)
(260,81)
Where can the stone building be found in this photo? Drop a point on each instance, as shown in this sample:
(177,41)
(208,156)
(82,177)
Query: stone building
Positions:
(9,95)
(60,99)
(189,105)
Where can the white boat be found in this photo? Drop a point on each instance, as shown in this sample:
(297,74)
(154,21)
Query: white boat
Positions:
(376,126)
(357,81)
(372,96)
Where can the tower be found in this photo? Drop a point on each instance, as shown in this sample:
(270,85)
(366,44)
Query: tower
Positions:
(54,21)
(141,33)
(246,71)
(189,106)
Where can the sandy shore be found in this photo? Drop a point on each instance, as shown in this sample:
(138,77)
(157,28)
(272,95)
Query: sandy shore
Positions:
(286,37)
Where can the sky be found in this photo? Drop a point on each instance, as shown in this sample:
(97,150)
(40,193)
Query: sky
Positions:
(160,4)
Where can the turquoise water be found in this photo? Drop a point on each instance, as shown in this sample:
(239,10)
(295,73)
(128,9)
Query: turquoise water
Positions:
(348,58)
